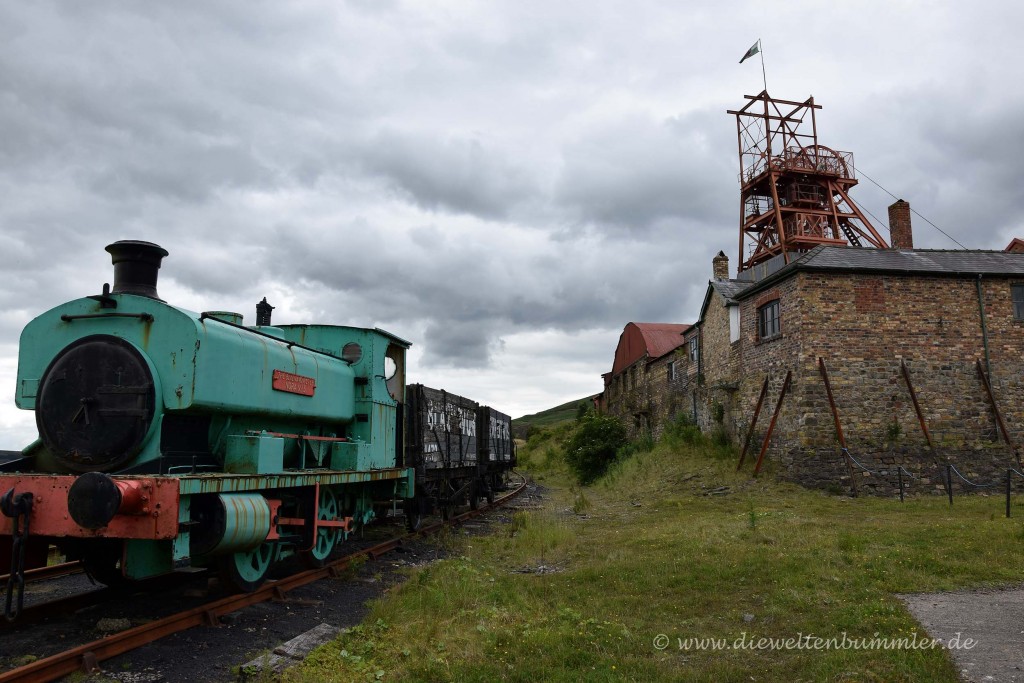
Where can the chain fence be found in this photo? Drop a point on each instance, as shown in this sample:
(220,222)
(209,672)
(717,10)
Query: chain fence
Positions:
(947,478)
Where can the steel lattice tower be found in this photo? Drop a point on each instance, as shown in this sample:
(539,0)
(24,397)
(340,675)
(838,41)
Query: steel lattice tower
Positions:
(794,192)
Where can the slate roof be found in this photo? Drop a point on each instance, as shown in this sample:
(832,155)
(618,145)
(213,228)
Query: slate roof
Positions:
(729,289)
(932,262)
(926,261)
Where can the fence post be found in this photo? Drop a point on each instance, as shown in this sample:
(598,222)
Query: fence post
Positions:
(899,472)
(949,483)
(1009,473)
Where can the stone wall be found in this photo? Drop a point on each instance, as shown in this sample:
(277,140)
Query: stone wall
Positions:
(863,326)
(657,396)
(720,364)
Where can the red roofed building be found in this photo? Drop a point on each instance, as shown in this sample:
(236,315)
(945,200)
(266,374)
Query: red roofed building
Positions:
(1016,246)
(649,359)
(650,340)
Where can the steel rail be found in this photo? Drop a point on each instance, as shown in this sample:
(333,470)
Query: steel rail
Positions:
(87,657)
(50,572)
(95,596)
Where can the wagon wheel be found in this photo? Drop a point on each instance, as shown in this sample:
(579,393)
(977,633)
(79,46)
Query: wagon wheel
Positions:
(104,565)
(474,495)
(445,500)
(413,508)
(246,571)
(326,537)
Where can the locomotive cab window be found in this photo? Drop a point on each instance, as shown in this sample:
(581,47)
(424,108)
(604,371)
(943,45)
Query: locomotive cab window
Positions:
(351,353)
(394,371)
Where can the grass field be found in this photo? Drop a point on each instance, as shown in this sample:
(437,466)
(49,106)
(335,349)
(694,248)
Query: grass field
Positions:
(611,583)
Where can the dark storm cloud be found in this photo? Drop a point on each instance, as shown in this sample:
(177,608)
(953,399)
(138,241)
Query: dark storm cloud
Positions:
(636,171)
(457,343)
(469,294)
(458,174)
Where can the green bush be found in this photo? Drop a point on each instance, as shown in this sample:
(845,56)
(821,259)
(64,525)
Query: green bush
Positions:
(594,445)
(682,430)
(642,444)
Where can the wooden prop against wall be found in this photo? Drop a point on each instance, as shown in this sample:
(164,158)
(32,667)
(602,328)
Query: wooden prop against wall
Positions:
(917,409)
(995,409)
(839,426)
(753,422)
(771,425)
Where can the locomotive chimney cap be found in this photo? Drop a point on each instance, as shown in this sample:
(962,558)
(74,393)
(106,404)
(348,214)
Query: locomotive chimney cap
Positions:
(135,267)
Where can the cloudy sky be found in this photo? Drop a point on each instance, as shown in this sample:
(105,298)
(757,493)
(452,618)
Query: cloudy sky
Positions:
(506,184)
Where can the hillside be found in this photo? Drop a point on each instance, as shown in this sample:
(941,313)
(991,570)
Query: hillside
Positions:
(549,417)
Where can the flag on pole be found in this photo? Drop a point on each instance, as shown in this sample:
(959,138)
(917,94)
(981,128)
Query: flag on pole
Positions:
(754,49)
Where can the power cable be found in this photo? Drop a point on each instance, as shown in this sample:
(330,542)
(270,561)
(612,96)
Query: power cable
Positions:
(873,181)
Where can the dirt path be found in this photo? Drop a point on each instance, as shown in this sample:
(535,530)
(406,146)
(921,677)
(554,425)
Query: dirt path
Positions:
(983,630)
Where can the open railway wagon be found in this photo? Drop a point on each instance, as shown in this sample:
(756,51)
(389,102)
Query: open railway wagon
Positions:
(460,451)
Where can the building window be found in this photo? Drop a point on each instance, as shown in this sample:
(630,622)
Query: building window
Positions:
(672,371)
(768,320)
(694,348)
(1017,294)
(734,324)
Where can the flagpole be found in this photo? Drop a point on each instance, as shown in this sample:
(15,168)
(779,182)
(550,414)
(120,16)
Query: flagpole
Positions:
(764,74)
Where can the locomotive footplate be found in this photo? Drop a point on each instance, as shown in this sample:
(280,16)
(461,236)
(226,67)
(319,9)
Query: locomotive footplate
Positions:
(150,504)
(227,483)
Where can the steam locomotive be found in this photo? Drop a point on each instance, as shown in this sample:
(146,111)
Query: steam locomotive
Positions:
(171,440)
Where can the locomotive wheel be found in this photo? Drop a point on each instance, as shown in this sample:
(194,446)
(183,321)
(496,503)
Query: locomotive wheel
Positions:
(327,537)
(246,571)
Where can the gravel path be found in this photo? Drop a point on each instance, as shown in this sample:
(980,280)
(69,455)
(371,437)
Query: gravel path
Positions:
(983,630)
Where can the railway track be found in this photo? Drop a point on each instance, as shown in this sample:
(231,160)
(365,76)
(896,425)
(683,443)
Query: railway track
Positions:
(88,656)
(51,572)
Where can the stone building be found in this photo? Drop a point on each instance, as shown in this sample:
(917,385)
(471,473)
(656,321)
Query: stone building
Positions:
(649,376)
(888,326)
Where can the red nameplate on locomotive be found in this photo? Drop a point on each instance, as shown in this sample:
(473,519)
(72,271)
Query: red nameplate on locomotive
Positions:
(294,384)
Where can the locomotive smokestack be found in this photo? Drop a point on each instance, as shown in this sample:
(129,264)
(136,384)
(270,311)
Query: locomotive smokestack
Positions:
(263,310)
(135,267)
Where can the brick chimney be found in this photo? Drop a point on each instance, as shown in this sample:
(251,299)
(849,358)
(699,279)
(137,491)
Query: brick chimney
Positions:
(720,266)
(901,236)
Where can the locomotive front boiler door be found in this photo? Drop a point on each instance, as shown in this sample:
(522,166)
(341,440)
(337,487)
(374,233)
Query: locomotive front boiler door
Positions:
(96,404)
